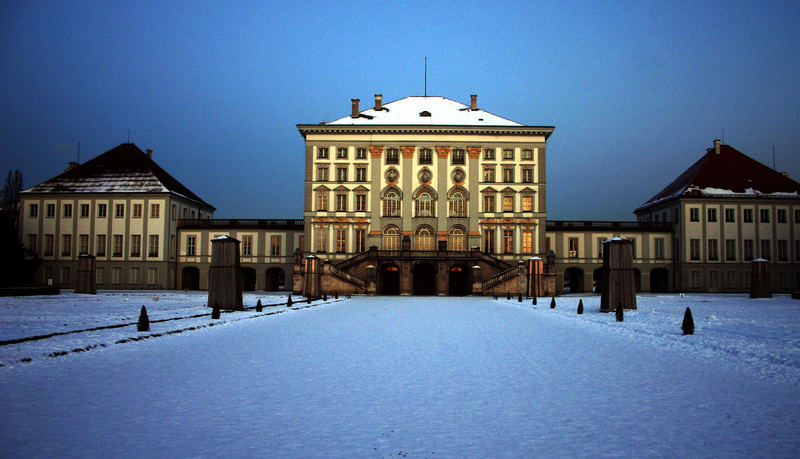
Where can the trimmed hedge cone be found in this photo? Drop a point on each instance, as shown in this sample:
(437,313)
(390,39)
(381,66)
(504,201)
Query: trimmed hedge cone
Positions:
(580,306)
(289,301)
(553,303)
(259,307)
(519,298)
(215,312)
(508,295)
(688,323)
(620,314)
(144,321)
(534,301)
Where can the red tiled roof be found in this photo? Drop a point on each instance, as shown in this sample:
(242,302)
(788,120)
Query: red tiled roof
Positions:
(730,173)
(123,169)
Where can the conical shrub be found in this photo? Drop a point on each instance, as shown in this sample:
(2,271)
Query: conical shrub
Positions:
(495,297)
(508,295)
(580,306)
(688,323)
(336,296)
(324,297)
(534,300)
(553,303)
(308,300)
(620,314)
(259,307)
(289,301)
(519,298)
(215,312)
(144,321)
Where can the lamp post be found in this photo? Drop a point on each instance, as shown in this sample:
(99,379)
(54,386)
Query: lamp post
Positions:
(372,277)
(535,262)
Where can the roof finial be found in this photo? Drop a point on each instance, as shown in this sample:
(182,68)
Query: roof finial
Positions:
(426,77)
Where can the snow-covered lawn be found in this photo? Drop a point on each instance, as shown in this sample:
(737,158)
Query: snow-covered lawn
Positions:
(396,377)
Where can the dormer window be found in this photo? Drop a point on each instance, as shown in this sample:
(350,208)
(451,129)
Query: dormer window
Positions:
(425,113)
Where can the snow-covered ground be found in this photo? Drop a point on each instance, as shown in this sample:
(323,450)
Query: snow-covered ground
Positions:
(400,377)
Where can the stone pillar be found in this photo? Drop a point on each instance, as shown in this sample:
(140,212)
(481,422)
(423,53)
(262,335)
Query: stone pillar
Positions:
(534,271)
(549,279)
(619,284)
(760,285)
(477,280)
(225,274)
(312,274)
(87,275)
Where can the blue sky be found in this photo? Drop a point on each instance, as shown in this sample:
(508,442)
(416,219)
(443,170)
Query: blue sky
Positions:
(636,90)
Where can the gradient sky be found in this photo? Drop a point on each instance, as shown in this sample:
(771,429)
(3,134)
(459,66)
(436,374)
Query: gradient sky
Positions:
(636,90)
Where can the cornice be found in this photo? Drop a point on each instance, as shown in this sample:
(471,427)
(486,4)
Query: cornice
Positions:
(306,129)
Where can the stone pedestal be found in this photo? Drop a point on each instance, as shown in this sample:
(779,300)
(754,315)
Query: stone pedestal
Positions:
(225,274)
(760,285)
(87,275)
(534,271)
(619,283)
(312,273)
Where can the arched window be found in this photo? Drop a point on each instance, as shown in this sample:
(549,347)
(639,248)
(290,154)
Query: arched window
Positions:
(457,203)
(391,202)
(424,238)
(456,240)
(391,238)
(423,205)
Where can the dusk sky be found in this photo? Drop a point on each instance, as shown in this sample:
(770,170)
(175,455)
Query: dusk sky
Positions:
(636,90)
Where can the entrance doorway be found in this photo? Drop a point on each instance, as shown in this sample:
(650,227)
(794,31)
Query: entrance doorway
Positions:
(248,279)
(424,279)
(389,280)
(190,278)
(275,280)
(597,280)
(659,280)
(573,280)
(458,278)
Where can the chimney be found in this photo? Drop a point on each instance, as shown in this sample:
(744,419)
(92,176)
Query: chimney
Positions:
(355,108)
(149,153)
(473,102)
(378,101)
(716,146)
(71,165)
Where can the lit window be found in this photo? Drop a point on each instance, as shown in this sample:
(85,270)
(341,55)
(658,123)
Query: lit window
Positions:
(391,156)
(425,156)
(458,156)
(457,204)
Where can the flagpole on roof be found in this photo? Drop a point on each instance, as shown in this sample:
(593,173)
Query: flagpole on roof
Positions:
(425,93)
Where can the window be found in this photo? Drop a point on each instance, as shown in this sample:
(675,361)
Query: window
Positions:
(341,202)
(659,248)
(527,174)
(457,204)
(66,245)
(51,210)
(600,241)
(64,274)
(33,210)
(152,246)
(341,153)
(83,244)
(456,239)
(424,238)
(488,153)
(191,245)
(766,249)
(134,275)
(796,216)
(694,214)
(152,276)
(748,249)
(136,245)
(247,245)
(341,174)
(508,203)
(573,247)
(137,211)
(426,156)
(361,202)
(712,215)
(174,211)
(322,153)
(488,174)
(694,249)
(527,154)
(423,205)
(360,235)
(781,215)
(361,174)
(49,244)
(116,275)
(730,249)
(730,279)
(527,241)
(747,215)
(119,211)
(32,243)
(322,174)
(783,250)
(488,202)
(457,156)
(102,210)
(730,215)
(763,215)
(275,244)
(488,240)
(391,238)
(508,154)
(713,254)
(67,210)
(341,240)
(361,153)
(391,156)
(84,210)
(713,279)
(508,241)
(527,203)
(694,278)
(155,210)
(508,174)
(100,250)
(322,200)
(391,203)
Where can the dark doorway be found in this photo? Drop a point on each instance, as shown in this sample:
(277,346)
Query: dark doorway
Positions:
(597,280)
(459,281)
(573,280)
(275,280)
(637,280)
(190,278)
(659,280)
(389,281)
(424,279)
(248,279)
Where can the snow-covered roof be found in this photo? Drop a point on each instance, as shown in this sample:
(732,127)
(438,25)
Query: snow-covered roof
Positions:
(435,111)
